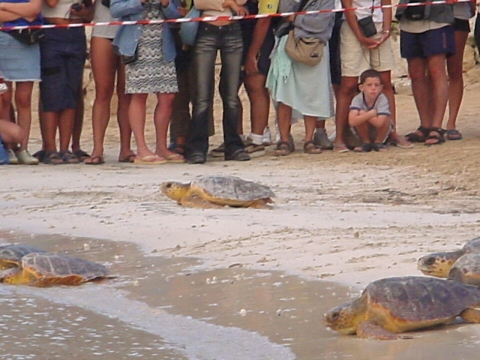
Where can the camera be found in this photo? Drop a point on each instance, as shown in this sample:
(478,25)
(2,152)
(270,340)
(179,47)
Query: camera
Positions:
(78,6)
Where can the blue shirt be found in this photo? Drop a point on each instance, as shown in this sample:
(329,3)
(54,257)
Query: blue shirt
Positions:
(126,40)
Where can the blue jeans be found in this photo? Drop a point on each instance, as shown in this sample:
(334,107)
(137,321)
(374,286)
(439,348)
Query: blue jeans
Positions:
(227,39)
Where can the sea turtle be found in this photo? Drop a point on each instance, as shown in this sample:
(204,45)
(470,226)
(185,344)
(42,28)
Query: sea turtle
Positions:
(466,270)
(439,264)
(44,269)
(11,254)
(218,191)
(395,305)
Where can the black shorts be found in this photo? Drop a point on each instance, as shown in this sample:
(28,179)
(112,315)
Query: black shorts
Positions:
(461,25)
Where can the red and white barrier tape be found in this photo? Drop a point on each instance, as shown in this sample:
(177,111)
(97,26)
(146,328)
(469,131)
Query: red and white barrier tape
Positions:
(214,18)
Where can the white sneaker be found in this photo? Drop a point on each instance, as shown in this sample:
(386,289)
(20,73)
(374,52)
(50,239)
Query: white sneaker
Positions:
(267,137)
(3,88)
(12,158)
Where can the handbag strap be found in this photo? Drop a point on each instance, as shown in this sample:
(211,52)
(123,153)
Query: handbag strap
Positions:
(302,5)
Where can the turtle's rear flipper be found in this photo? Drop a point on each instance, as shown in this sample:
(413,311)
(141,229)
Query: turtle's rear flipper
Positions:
(367,329)
(471,315)
(197,202)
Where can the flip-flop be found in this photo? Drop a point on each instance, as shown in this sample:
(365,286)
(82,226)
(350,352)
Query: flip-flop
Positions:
(149,160)
(175,158)
(454,134)
(95,160)
(128,159)
(340,148)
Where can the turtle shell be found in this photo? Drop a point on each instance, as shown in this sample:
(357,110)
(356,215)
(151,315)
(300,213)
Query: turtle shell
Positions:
(231,188)
(472,246)
(10,255)
(60,269)
(466,270)
(420,301)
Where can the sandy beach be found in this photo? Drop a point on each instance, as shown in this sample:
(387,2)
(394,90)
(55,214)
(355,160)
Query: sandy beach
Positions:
(344,218)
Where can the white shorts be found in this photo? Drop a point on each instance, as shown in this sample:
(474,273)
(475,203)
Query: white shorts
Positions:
(356,58)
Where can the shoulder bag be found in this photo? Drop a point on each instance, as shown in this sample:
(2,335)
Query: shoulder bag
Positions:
(306,50)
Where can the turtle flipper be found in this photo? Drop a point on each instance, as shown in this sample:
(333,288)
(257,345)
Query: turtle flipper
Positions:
(368,329)
(15,276)
(471,315)
(198,202)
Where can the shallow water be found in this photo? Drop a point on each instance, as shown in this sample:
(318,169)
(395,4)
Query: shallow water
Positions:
(175,309)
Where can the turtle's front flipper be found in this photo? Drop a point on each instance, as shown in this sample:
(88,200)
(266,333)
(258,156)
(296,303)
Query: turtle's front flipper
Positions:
(367,329)
(197,202)
(471,315)
(14,276)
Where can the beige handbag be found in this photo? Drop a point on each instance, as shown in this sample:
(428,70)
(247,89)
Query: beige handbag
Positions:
(308,51)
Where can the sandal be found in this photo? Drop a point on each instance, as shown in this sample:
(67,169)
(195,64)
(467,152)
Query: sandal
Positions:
(419,135)
(438,137)
(364,148)
(127,159)
(283,148)
(310,148)
(94,160)
(380,147)
(454,134)
(52,158)
(68,157)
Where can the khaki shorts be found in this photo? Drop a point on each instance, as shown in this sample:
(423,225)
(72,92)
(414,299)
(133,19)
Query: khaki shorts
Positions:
(356,58)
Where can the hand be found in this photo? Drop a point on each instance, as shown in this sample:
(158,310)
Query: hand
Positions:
(240,10)
(369,43)
(182,11)
(165,3)
(251,65)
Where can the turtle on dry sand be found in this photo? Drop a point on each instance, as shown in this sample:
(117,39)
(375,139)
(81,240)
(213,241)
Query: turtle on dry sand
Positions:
(219,191)
(439,264)
(45,269)
(395,305)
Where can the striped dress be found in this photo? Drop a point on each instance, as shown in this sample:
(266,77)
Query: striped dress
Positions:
(150,73)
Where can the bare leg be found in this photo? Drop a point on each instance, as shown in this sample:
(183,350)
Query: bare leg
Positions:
(348,89)
(259,102)
(10,132)
(78,119)
(137,114)
(163,112)
(23,103)
(122,114)
(455,78)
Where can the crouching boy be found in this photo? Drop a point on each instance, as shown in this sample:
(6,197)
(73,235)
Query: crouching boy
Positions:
(370,114)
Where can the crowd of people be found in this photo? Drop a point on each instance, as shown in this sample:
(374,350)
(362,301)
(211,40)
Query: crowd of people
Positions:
(349,79)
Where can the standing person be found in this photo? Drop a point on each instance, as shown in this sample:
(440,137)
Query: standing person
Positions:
(181,113)
(298,89)
(153,71)
(426,40)
(257,63)
(20,64)
(106,68)
(226,36)
(370,113)
(361,50)
(462,11)
(63,55)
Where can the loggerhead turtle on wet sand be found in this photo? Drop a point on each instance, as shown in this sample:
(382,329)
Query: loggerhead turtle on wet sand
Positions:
(439,264)
(219,191)
(395,305)
(45,269)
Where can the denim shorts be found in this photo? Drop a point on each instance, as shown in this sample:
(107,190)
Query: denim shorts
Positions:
(18,62)
(428,43)
(62,54)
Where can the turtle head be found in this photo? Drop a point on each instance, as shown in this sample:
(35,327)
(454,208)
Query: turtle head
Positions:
(344,318)
(438,264)
(175,190)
